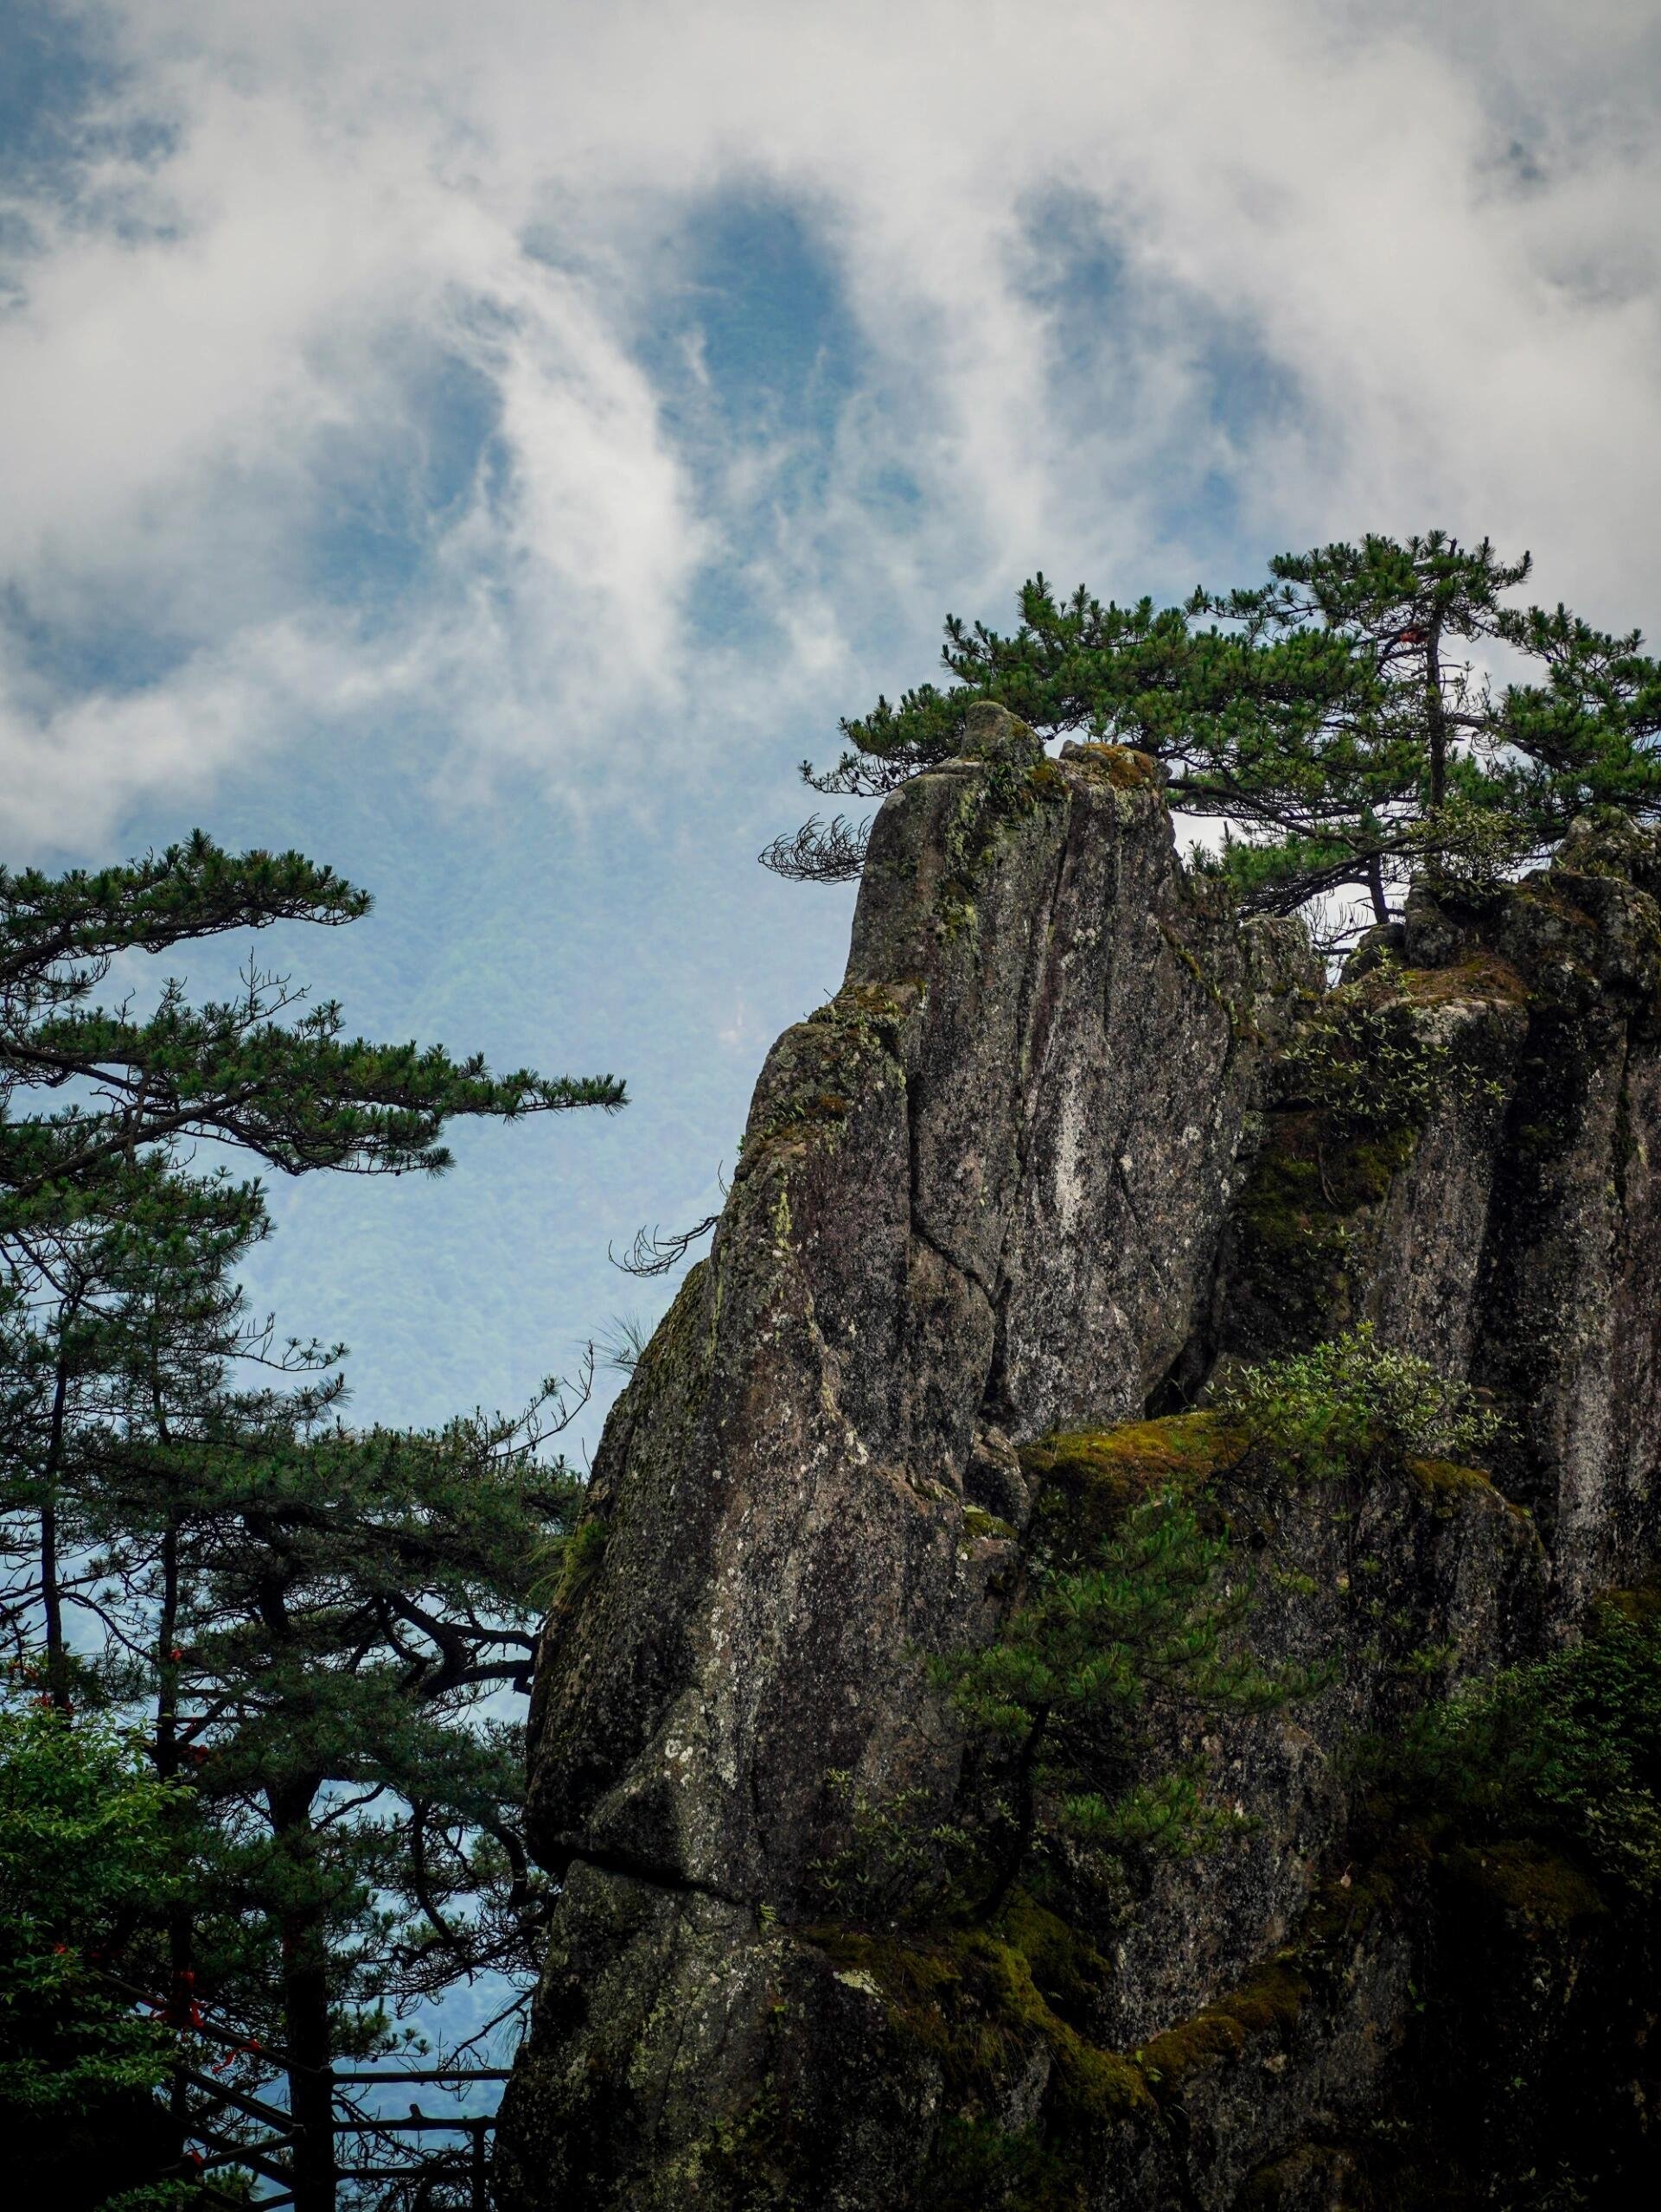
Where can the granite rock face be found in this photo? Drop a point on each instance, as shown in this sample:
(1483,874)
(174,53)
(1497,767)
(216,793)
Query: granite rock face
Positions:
(1053,1158)
(980,1197)
(1513,1238)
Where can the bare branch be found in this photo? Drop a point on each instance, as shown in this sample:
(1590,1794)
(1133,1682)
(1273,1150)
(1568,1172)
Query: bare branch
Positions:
(655,1252)
(820,851)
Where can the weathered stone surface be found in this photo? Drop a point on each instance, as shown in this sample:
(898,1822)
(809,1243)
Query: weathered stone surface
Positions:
(980,1193)
(1050,1160)
(1512,1239)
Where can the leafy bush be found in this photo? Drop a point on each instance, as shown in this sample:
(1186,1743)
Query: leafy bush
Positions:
(1366,1067)
(1353,1402)
(902,1861)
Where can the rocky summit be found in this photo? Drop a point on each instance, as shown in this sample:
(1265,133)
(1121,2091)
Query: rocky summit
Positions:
(1068,1154)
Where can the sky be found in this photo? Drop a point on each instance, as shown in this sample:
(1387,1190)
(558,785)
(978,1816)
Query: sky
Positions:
(488,447)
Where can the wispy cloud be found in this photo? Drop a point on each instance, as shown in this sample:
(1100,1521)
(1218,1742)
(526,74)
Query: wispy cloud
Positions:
(588,388)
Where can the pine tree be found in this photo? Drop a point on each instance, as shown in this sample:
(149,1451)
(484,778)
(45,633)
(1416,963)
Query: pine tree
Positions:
(302,1618)
(93,1192)
(346,1602)
(1337,719)
(264,1071)
(88,1847)
(1150,1614)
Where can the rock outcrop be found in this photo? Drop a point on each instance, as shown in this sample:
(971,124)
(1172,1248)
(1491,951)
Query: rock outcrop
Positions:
(1057,1153)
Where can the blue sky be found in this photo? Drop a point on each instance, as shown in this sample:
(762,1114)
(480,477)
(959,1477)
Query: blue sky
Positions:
(490,447)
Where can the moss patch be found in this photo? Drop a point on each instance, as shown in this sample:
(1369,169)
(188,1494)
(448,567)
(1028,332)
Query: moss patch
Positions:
(1640,1605)
(1270,2001)
(978,1522)
(1240,1025)
(821,1067)
(1446,1478)
(1311,2174)
(1450,1487)
(972,2001)
(1013,786)
(1542,895)
(1526,1877)
(1085,1484)
(1120,766)
(1483,976)
(1307,1199)
(744,2165)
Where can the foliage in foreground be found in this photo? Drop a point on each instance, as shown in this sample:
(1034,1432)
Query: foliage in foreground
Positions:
(92,1847)
(88,1847)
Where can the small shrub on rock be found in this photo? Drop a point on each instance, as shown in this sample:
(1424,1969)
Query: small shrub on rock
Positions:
(1351,1403)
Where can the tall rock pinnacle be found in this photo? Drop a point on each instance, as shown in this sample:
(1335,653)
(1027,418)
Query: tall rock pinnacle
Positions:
(1033,1172)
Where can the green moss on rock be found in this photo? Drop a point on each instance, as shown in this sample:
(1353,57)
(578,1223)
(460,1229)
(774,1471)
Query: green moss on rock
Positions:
(979,1523)
(1084,1484)
(1017,780)
(1308,2176)
(1448,1486)
(1310,1195)
(979,2004)
(820,1069)
(1270,2001)
(1484,976)
(1120,766)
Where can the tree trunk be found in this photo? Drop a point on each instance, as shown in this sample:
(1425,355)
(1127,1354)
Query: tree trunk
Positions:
(181,1925)
(167,1667)
(1026,1759)
(306,2028)
(1436,718)
(51,1594)
(1375,889)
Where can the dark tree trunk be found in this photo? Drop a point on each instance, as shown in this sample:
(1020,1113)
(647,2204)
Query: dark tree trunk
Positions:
(51,1594)
(306,2028)
(181,1926)
(1435,716)
(1025,1810)
(1375,889)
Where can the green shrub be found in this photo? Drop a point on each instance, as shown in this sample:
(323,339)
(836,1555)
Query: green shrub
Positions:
(1351,1403)
(1565,1753)
(1366,1067)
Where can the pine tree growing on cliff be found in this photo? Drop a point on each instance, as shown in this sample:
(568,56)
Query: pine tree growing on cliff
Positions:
(1148,1616)
(1335,718)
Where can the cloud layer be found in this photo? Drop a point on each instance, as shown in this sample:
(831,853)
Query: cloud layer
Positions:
(577,392)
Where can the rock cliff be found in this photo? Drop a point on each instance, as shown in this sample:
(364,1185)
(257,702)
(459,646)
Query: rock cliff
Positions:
(1061,1153)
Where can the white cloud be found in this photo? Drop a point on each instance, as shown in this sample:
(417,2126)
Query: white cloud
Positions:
(1438,241)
